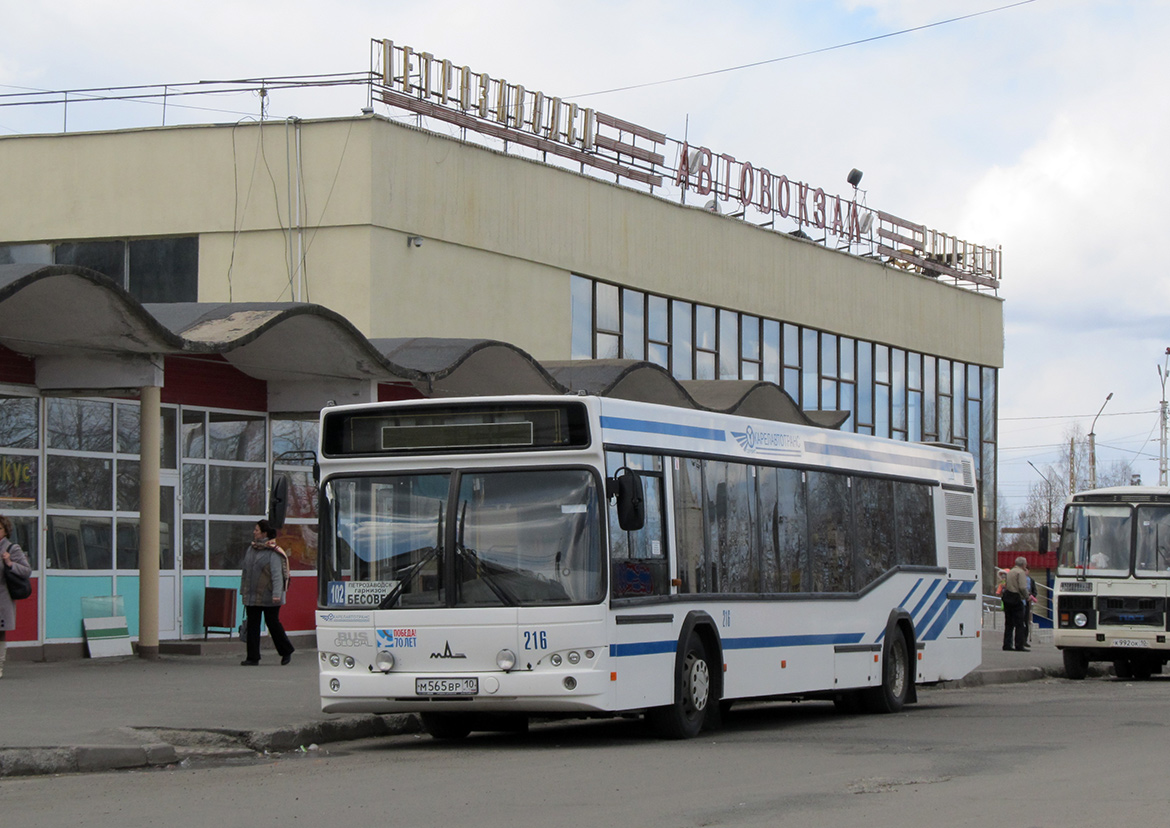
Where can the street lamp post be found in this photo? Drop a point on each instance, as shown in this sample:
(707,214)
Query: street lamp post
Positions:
(1093,445)
(1162,463)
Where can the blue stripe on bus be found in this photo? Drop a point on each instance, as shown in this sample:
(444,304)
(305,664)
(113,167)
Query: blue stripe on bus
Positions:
(671,429)
(963,588)
(926,597)
(751,643)
(938,603)
(764,641)
(901,605)
(642,648)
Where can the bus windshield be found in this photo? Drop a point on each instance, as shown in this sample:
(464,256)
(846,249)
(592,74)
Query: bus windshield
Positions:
(511,538)
(1095,540)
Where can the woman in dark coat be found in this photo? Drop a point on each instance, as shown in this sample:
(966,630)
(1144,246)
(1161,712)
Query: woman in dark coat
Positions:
(263,587)
(11,557)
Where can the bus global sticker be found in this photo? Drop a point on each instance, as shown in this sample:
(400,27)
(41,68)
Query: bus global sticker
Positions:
(772,443)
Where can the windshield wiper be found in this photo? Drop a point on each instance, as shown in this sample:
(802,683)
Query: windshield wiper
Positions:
(481,569)
(389,600)
(494,584)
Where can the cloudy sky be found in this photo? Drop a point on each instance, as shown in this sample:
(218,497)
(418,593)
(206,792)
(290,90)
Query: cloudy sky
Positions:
(1039,126)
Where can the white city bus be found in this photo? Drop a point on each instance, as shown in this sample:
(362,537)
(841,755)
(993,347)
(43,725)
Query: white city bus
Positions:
(1113,581)
(589,556)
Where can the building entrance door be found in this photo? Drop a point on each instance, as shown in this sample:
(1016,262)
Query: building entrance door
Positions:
(170,576)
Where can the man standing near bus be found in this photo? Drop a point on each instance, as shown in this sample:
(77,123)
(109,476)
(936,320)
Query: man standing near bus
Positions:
(1015,597)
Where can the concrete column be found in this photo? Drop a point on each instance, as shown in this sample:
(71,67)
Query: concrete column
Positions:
(148,523)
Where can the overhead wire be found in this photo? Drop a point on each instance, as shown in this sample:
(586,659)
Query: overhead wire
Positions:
(822,50)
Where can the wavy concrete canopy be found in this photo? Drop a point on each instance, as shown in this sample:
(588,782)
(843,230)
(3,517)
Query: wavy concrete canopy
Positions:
(86,332)
(469,367)
(647,382)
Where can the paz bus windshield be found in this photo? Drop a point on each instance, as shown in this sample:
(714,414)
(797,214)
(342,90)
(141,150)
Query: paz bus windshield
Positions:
(464,538)
(1113,540)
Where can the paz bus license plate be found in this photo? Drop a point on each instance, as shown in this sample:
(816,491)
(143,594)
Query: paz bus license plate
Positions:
(1130,642)
(446,686)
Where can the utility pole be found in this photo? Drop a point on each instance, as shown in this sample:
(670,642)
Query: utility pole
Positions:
(1072,465)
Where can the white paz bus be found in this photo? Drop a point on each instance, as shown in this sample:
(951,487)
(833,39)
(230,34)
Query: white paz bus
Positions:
(588,556)
(1113,581)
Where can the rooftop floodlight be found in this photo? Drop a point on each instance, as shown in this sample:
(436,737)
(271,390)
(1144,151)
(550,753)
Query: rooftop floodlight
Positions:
(854,177)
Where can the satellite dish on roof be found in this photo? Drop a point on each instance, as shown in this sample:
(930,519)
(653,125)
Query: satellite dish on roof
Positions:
(712,206)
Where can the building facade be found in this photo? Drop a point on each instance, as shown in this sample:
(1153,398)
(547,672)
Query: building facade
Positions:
(390,231)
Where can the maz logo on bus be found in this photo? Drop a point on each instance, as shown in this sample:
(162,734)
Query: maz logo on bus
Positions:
(768,442)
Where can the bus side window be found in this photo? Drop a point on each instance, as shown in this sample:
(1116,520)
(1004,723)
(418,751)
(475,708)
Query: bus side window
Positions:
(640,565)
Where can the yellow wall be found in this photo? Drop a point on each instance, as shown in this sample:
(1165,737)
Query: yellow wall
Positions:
(501,235)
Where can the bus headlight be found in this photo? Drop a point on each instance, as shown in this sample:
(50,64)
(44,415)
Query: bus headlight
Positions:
(384,661)
(555,659)
(1080,619)
(574,656)
(349,662)
(334,660)
(505,659)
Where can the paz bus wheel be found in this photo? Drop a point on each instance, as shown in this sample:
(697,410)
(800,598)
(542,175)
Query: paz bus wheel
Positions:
(1076,664)
(447,725)
(683,719)
(890,696)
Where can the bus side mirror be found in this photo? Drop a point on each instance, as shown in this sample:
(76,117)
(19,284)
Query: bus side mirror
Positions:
(626,486)
(278,501)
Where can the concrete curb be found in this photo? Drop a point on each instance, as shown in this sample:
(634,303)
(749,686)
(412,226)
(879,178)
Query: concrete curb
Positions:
(173,744)
(167,746)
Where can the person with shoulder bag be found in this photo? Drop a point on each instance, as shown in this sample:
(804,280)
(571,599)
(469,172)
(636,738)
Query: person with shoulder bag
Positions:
(14,584)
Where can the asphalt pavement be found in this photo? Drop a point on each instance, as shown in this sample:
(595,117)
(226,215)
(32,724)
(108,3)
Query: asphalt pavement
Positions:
(87,714)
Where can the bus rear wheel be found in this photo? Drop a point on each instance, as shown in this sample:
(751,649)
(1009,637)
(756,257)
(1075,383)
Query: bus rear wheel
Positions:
(447,725)
(1076,664)
(684,718)
(890,696)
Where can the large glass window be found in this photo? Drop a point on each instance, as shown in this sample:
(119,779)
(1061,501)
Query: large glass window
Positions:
(830,521)
(638,559)
(873,500)
(730,526)
(885,390)
(1152,558)
(1095,540)
(517,538)
(224,481)
(633,324)
(783,530)
(152,270)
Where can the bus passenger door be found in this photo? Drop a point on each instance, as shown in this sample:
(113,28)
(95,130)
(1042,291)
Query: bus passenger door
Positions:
(639,564)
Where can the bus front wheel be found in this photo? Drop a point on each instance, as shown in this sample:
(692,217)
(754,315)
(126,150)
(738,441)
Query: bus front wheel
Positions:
(1076,664)
(683,719)
(890,696)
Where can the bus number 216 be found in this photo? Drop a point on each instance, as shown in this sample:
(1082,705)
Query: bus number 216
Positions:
(535,639)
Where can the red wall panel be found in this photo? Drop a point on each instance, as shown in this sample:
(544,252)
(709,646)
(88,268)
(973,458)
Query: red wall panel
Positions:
(213,382)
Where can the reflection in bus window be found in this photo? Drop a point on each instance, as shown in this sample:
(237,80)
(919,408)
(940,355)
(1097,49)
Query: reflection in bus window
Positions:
(1153,542)
(1096,538)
